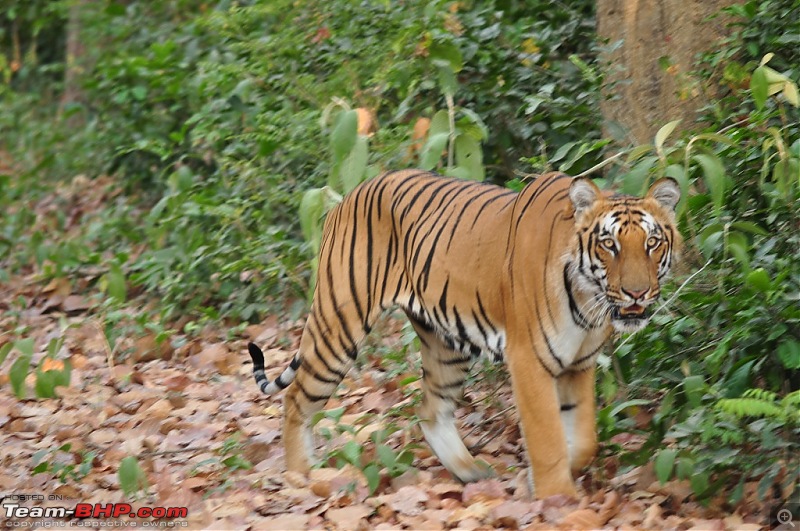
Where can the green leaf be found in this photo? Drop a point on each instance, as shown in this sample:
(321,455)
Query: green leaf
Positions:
(312,208)
(694,386)
(759,87)
(791,94)
(664,463)
(18,373)
(685,468)
(714,177)
(115,283)
(478,121)
(432,151)
(45,384)
(562,152)
(749,226)
(759,279)
(447,79)
(789,354)
(469,155)
(663,134)
(351,452)
(635,181)
(716,137)
(458,172)
(446,54)
(639,152)
(699,482)
(353,167)
(344,134)
(386,455)
(4,350)
(373,474)
(627,404)
(25,346)
(440,123)
(131,476)
(37,457)
(738,247)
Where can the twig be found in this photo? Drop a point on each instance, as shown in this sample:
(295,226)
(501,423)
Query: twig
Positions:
(178,451)
(490,419)
(451,116)
(600,165)
(483,441)
(106,344)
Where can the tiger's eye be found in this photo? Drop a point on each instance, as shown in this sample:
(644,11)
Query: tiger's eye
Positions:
(653,242)
(608,243)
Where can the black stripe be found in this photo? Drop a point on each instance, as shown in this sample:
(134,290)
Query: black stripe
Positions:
(483,312)
(309,396)
(536,193)
(463,208)
(353,243)
(589,356)
(568,407)
(577,317)
(486,204)
(333,370)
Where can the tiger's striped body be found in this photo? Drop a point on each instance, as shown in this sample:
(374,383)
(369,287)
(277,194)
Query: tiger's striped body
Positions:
(478,268)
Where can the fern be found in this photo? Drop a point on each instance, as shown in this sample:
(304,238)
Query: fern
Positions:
(750,407)
(762,403)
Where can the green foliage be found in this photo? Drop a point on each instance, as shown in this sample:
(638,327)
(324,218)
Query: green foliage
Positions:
(61,463)
(724,363)
(374,459)
(132,479)
(50,373)
(229,459)
(208,117)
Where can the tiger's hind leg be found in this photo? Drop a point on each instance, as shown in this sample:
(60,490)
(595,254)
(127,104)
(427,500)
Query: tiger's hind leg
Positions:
(443,374)
(327,351)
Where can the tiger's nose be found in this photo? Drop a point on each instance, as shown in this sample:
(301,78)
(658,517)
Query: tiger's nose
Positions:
(635,294)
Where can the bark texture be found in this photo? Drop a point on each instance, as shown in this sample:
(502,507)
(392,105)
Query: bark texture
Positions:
(648,74)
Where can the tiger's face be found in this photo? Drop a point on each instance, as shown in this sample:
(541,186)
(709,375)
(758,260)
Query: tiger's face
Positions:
(626,247)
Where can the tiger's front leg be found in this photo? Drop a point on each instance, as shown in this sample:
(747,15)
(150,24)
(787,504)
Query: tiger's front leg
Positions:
(577,402)
(539,410)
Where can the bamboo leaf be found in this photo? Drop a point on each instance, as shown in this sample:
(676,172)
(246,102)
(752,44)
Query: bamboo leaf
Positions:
(759,87)
(663,134)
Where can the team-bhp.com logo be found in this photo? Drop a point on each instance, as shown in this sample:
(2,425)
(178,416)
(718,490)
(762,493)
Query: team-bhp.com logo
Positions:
(17,515)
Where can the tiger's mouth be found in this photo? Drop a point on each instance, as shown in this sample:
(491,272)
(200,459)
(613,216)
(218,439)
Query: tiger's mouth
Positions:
(633,312)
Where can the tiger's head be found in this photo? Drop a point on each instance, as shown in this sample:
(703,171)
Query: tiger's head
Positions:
(626,247)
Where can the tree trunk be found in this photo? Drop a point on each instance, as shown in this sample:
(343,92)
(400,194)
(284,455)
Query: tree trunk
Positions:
(75,59)
(648,80)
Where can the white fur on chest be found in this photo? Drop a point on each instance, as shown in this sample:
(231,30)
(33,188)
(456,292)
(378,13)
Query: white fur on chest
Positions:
(566,342)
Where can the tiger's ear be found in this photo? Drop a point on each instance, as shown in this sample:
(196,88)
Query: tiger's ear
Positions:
(667,192)
(583,193)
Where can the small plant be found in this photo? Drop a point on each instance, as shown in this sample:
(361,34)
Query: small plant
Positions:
(229,459)
(50,373)
(374,460)
(61,463)
(132,479)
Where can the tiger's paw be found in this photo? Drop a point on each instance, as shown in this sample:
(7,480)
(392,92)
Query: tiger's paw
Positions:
(474,471)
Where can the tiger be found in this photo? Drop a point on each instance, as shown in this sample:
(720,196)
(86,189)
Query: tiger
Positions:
(539,278)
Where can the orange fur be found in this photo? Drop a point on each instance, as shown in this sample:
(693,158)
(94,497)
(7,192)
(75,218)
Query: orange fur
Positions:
(540,278)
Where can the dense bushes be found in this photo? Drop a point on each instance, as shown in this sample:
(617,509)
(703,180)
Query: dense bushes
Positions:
(210,115)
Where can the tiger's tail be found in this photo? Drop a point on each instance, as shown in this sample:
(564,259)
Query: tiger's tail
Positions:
(281,382)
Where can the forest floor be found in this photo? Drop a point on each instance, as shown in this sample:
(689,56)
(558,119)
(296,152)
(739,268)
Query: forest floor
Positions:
(190,413)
